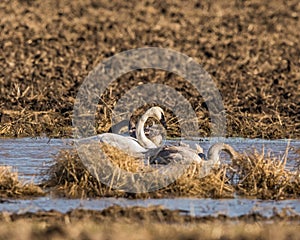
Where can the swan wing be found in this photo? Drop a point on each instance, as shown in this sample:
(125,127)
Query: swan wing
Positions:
(170,154)
(124,143)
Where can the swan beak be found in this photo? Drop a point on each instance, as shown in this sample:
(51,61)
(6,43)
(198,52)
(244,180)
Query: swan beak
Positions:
(163,121)
(202,156)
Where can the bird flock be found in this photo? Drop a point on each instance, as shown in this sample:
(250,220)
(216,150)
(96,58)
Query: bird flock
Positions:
(146,143)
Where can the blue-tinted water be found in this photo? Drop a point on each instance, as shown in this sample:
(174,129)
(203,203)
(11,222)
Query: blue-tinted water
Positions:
(30,156)
(188,206)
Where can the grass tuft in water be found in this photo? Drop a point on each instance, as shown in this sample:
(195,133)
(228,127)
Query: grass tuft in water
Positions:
(69,177)
(265,177)
(252,174)
(10,186)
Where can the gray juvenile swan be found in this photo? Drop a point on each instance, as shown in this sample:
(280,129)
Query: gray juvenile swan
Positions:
(174,153)
(185,154)
(134,146)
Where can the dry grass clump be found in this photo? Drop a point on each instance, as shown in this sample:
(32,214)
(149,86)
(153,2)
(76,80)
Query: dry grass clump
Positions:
(69,177)
(252,174)
(214,185)
(265,177)
(122,160)
(10,186)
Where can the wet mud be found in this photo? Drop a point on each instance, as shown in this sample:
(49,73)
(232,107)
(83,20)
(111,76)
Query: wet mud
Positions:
(149,223)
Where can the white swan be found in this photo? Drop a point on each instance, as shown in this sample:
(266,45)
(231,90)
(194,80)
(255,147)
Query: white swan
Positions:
(134,146)
(155,112)
(155,132)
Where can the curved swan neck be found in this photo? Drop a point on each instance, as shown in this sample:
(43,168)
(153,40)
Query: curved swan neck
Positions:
(213,154)
(140,134)
(233,154)
(215,150)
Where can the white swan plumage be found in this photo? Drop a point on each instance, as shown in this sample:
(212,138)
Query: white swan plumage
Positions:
(155,132)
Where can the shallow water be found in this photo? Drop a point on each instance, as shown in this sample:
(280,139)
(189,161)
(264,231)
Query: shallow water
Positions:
(31,156)
(187,206)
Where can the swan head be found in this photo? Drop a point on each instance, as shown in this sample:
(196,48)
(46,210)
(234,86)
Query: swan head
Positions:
(199,149)
(155,112)
(159,114)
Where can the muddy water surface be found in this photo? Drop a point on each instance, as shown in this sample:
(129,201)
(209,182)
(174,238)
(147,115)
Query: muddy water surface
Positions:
(188,206)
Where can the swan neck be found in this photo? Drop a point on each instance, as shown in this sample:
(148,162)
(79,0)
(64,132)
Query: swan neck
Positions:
(213,156)
(215,150)
(140,134)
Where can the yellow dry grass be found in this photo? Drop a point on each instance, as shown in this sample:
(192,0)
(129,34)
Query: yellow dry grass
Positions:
(10,186)
(251,175)
(265,177)
(69,176)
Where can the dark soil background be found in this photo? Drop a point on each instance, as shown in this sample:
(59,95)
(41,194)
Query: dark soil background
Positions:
(250,48)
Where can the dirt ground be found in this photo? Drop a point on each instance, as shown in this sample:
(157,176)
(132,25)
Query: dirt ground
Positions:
(250,48)
(141,223)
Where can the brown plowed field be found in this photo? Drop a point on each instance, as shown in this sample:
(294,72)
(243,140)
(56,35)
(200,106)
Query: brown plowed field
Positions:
(250,48)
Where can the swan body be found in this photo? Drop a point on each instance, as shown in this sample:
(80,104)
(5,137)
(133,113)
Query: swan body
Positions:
(170,154)
(126,144)
(184,153)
